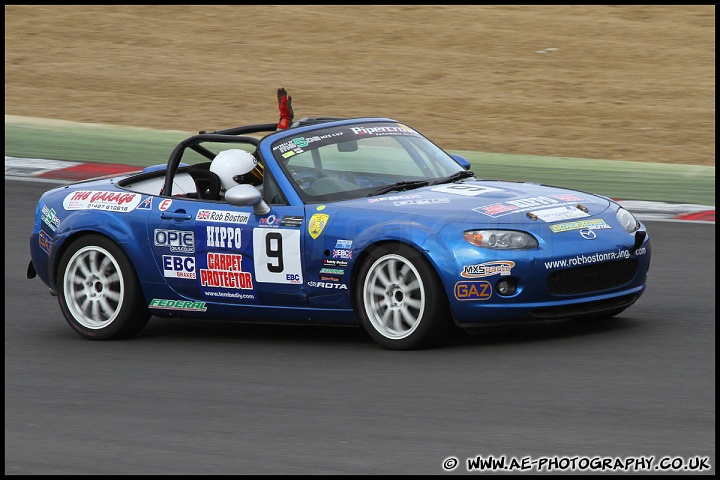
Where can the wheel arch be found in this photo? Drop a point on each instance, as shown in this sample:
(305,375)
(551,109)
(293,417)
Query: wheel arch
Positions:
(67,242)
(365,253)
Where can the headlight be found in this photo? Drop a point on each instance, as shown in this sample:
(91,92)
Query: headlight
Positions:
(627,220)
(502,239)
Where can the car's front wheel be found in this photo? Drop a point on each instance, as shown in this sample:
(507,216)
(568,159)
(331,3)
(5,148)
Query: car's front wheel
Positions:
(400,301)
(98,290)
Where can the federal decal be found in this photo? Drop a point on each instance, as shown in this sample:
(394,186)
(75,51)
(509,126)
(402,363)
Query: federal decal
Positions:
(178,305)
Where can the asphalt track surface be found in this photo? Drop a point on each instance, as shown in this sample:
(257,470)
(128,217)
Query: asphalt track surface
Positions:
(193,397)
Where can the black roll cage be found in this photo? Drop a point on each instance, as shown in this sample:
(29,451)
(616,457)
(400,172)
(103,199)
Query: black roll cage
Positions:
(228,135)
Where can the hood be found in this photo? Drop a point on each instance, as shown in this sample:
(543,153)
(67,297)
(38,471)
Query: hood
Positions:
(489,201)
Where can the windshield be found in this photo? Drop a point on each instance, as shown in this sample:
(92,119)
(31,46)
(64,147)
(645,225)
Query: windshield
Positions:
(354,161)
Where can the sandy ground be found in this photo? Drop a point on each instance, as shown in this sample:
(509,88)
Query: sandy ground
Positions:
(630,83)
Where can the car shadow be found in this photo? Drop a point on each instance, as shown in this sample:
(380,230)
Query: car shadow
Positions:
(539,331)
(236,330)
(219,330)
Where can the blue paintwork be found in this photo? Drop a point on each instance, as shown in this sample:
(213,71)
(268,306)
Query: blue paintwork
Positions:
(431,219)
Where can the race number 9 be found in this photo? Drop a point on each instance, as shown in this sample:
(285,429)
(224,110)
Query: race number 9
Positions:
(276,254)
(274,249)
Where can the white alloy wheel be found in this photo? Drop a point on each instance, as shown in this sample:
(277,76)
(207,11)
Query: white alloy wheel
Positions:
(93,286)
(98,290)
(394,296)
(399,299)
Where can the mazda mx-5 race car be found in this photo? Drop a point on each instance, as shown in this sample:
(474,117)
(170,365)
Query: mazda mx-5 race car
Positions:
(359,221)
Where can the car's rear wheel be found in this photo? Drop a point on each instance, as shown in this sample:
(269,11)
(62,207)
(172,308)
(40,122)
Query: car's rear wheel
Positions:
(400,301)
(98,290)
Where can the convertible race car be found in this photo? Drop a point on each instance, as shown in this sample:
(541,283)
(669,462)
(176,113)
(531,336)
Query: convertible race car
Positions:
(359,221)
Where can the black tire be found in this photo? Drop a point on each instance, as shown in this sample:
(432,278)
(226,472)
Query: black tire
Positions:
(400,300)
(98,290)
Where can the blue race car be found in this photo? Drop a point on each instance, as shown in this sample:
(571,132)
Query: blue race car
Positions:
(359,221)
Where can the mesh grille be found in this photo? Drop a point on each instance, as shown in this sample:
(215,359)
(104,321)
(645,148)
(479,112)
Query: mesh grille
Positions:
(592,278)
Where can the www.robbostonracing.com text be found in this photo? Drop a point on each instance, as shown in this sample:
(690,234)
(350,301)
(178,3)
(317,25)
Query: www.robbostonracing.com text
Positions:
(580,464)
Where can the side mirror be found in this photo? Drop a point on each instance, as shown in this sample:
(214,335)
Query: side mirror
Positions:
(464,162)
(244,195)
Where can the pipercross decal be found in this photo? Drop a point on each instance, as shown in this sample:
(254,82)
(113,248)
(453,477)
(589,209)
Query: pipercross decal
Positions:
(399,129)
(317,224)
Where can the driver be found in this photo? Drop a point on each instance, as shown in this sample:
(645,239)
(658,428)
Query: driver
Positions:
(235,167)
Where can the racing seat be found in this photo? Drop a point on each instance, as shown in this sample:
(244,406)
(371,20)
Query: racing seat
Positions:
(207,183)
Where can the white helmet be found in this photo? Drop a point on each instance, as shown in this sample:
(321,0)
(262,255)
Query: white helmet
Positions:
(236,167)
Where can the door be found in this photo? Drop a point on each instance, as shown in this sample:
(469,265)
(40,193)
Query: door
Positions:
(216,253)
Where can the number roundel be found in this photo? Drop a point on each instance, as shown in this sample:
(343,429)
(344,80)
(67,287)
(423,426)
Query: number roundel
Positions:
(277,255)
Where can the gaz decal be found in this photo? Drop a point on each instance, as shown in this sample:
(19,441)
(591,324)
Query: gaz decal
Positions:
(276,255)
(473,290)
(317,224)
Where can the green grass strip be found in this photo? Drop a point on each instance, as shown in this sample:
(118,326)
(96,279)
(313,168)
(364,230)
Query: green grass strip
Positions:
(674,183)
